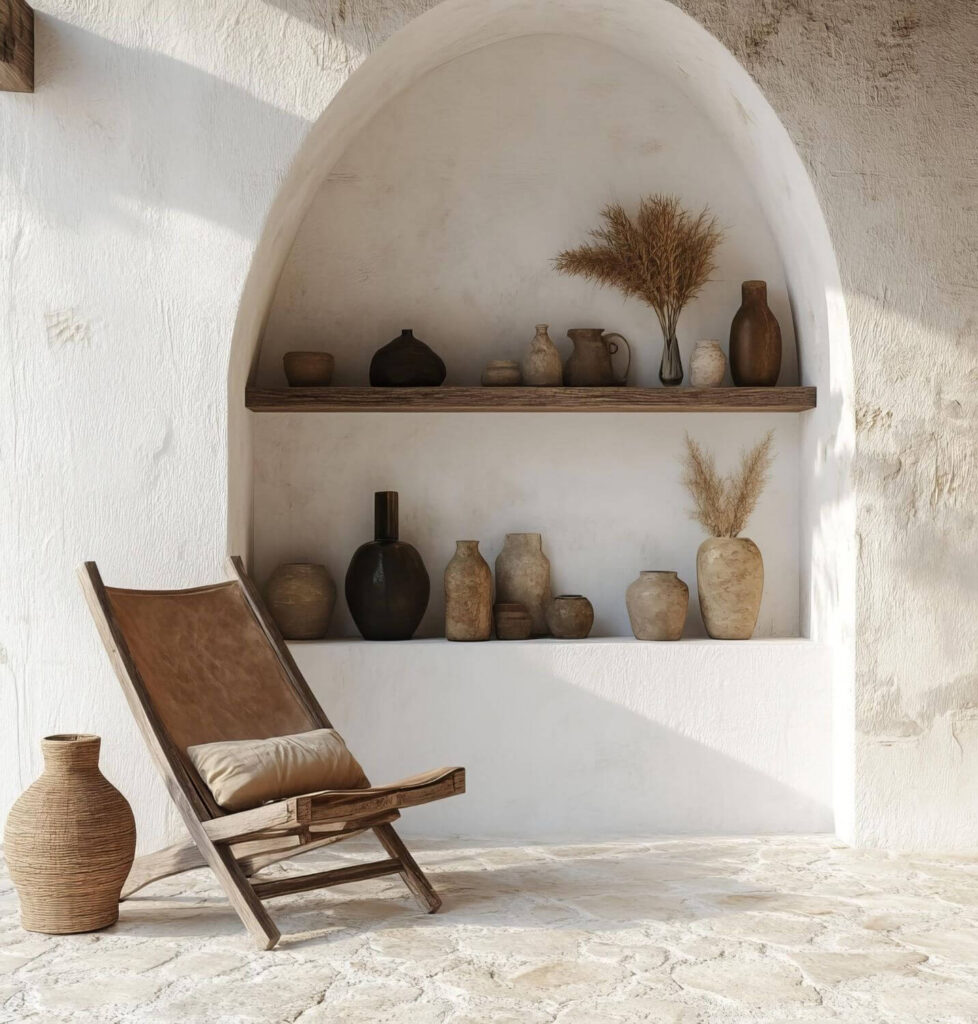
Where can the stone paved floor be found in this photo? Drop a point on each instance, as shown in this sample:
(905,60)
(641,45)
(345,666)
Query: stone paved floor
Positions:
(686,930)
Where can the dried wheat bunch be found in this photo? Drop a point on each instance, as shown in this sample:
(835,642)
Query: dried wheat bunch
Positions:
(724,504)
(663,257)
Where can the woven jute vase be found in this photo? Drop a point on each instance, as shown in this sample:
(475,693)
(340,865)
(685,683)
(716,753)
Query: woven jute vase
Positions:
(69,841)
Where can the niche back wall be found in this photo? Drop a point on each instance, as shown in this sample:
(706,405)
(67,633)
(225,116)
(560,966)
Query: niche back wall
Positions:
(443,216)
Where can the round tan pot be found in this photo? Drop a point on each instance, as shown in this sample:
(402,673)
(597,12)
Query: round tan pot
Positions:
(730,579)
(69,841)
(657,603)
(570,617)
(468,594)
(301,597)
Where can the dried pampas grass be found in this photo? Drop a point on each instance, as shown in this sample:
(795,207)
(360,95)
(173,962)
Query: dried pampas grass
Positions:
(722,505)
(663,257)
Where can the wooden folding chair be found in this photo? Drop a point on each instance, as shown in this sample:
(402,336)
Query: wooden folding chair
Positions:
(209,664)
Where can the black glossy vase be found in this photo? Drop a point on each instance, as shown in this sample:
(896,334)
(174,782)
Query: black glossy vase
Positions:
(406,363)
(387,586)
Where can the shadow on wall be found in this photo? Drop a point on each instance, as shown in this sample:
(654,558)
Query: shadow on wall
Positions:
(351,29)
(580,749)
(143,133)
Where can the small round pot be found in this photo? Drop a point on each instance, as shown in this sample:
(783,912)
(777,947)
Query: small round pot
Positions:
(308,369)
(708,366)
(730,580)
(502,373)
(513,621)
(657,603)
(570,617)
(301,598)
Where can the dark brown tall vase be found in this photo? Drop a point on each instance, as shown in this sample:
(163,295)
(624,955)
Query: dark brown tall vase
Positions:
(387,586)
(755,340)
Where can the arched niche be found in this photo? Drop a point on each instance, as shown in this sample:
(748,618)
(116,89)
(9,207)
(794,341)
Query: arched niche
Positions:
(699,68)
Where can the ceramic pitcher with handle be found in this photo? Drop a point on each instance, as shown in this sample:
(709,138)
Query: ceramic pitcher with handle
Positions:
(589,365)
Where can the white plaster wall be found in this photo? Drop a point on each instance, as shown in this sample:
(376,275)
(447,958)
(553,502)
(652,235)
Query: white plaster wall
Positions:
(133,187)
(594,737)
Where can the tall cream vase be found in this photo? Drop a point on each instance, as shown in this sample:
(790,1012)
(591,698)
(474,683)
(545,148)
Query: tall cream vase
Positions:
(523,577)
(69,841)
(730,581)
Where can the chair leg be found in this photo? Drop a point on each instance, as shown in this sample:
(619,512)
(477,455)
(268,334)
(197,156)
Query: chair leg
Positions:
(413,877)
(234,882)
(151,867)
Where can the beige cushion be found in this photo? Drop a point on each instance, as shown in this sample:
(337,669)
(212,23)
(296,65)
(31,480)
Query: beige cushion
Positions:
(246,773)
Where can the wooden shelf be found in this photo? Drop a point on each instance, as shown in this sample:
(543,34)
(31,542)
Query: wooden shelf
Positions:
(478,399)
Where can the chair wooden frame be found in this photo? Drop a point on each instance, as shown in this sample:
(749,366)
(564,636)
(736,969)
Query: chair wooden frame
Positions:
(236,846)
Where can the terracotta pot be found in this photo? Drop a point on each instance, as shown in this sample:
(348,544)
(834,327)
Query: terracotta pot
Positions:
(513,621)
(657,603)
(502,373)
(730,580)
(523,576)
(541,364)
(589,365)
(755,339)
(406,362)
(301,597)
(468,594)
(69,841)
(308,369)
(387,585)
(570,617)
(708,366)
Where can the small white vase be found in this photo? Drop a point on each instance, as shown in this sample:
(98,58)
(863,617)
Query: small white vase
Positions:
(708,366)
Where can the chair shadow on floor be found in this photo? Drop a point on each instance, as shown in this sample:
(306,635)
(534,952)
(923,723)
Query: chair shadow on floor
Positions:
(604,887)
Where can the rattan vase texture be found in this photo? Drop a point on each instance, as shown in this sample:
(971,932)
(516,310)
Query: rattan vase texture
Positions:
(69,841)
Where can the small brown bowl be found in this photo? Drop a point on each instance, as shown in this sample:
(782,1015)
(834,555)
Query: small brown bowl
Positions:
(513,621)
(308,369)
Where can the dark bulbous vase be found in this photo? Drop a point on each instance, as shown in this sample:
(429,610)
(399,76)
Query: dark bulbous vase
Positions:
(387,585)
(755,340)
(406,362)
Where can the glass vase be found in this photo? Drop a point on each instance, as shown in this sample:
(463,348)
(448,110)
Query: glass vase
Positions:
(671,367)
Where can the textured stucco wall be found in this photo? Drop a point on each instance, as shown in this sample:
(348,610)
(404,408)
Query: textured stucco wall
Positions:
(133,186)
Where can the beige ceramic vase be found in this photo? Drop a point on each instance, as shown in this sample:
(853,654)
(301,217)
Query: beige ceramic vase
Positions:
(468,594)
(523,577)
(730,580)
(69,841)
(657,603)
(301,597)
(541,364)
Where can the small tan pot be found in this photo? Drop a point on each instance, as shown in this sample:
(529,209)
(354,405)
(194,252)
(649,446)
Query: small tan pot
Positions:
(657,603)
(308,369)
(69,841)
(468,594)
(513,621)
(301,597)
(730,579)
(570,617)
